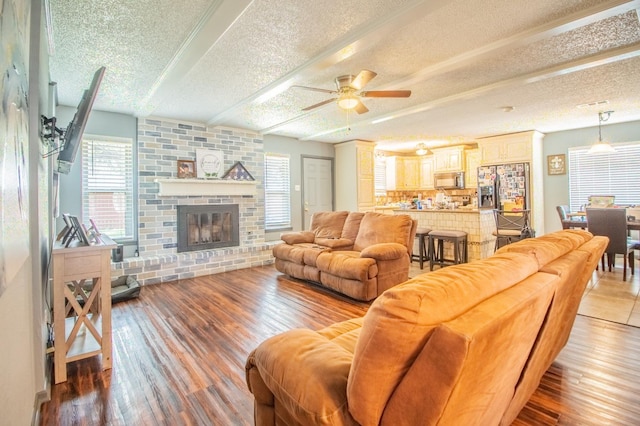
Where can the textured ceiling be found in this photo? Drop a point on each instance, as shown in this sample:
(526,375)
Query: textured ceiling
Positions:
(234,62)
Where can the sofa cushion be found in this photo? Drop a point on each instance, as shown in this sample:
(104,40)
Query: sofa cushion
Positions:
(380,228)
(347,264)
(466,372)
(301,254)
(297,237)
(550,246)
(307,374)
(352,225)
(328,224)
(384,251)
(335,243)
(403,317)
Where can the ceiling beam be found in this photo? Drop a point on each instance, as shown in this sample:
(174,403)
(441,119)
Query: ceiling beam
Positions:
(562,25)
(541,32)
(608,57)
(345,47)
(218,18)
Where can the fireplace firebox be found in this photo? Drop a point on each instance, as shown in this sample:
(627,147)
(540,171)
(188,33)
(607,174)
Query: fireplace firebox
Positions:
(208,227)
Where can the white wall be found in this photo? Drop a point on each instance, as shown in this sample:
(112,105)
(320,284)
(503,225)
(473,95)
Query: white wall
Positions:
(296,150)
(22,327)
(556,188)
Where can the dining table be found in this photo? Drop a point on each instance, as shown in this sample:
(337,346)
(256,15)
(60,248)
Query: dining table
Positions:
(578,217)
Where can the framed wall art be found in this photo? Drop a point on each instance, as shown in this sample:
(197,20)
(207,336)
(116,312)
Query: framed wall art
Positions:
(556,164)
(209,163)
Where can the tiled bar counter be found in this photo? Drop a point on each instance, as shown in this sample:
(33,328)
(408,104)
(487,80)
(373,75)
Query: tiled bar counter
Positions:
(478,224)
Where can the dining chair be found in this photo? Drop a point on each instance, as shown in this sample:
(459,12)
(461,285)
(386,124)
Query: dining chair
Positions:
(511,226)
(612,223)
(565,219)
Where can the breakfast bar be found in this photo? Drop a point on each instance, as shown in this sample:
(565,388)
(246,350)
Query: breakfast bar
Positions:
(478,224)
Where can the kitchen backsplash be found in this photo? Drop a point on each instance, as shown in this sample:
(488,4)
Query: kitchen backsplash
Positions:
(400,196)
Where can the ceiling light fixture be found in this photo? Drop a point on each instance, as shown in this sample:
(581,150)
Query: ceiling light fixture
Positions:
(601,147)
(421,149)
(347,101)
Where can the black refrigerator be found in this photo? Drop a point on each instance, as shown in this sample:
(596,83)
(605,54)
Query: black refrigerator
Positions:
(504,186)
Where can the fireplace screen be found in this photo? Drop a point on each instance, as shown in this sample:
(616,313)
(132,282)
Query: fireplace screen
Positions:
(207,227)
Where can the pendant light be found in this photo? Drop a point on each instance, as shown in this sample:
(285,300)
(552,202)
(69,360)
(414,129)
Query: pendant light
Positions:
(421,149)
(601,147)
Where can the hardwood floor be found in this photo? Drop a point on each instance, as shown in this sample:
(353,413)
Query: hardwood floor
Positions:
(180,349)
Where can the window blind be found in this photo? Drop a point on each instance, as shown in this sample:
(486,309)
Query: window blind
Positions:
(380,176)
(107,186)
(277,191)
(613,173)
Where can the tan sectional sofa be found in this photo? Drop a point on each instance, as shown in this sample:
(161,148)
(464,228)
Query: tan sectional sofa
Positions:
(463,345)
(357,254)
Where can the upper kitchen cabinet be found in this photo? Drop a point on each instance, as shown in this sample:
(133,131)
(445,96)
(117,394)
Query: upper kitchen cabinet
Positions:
(355,185)
(512,148)
(403,173)
(449,159)
(426,172)
(471,169)
(411,166)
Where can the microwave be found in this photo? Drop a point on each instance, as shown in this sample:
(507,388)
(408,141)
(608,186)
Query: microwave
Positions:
(449,180)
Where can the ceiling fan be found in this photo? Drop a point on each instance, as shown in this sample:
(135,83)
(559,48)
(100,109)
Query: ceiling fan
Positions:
(349,91)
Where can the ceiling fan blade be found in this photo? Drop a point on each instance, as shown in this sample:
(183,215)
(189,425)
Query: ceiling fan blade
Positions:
(386,94)
(316,89)
(360,108)
(319,104)
(362,79)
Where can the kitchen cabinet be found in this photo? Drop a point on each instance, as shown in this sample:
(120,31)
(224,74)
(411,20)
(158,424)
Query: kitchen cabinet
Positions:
(411,169)
(395,174)
(472,158)
(403,173)
(449,159)
(426,172)
(513,148)
(523,147)
(355,190)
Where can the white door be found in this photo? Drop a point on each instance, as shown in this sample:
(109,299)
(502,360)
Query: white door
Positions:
(317,191)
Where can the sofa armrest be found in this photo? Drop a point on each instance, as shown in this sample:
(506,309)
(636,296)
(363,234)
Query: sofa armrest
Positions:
(297,237)
(306,373)
(384,251)
(335,243)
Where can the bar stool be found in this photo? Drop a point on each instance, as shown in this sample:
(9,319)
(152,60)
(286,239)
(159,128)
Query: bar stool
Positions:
(423,255)
(436,254)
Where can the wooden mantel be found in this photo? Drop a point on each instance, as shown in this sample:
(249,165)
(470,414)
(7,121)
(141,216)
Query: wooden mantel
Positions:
(204,187)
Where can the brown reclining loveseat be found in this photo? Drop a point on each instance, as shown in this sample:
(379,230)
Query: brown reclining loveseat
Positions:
(357,254)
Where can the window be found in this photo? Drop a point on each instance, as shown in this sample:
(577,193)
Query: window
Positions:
(277,203)
(604,174)
(107,186)
(380,175)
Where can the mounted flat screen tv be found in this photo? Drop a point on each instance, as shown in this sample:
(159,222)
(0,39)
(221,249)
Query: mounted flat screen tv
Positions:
(73,134)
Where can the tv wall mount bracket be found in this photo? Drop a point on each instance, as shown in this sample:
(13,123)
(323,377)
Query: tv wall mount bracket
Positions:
(51,135)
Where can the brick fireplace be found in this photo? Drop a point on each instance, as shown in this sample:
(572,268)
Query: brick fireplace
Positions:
(161,143)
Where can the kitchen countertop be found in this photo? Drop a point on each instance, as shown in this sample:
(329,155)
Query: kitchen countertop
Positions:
(458,210)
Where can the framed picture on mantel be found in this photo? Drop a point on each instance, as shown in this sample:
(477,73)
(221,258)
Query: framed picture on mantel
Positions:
(556,164)
(209,163)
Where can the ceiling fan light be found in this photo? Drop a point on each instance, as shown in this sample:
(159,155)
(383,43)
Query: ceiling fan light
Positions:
(348,102)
